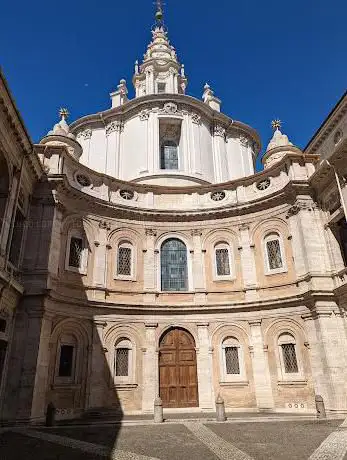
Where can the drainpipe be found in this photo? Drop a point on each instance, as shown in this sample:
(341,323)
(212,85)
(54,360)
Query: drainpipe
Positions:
(339,188)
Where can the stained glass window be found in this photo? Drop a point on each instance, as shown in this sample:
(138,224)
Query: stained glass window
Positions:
(169,155)
(274,254)
(124,261)
(222,261)
(174,271)
(232,360)
(289,358)
(75,254)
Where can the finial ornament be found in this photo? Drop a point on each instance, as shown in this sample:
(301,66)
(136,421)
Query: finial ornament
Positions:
(276,124)
(63,113)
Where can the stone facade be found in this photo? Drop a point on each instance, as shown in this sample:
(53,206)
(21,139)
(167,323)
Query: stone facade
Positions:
(278,304)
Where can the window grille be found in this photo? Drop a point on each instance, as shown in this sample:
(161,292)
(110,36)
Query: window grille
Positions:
(66,359)
(122,362)
(289,358)
(232,360)
(124,261)
(222,262)
(274,254)
(169,155)
(75,255)
(174,271)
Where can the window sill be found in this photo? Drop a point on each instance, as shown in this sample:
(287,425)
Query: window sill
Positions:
(76,270)
(277,271)
(234,383)
(294,382)
(63,386)
(124,278)
(124,386)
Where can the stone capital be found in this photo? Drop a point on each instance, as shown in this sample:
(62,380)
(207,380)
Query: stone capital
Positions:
(151,325)
(255,322)
(203,324)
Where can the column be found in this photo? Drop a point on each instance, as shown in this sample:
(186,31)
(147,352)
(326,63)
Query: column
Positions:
(150,369)
(327,355)
(261,373)
(97,384)
(204,368)
(113,131)
(249,273)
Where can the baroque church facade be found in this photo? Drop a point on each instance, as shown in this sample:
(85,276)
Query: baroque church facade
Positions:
(142,256)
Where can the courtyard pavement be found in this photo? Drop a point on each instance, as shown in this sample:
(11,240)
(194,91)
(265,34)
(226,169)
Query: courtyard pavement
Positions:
(190,439)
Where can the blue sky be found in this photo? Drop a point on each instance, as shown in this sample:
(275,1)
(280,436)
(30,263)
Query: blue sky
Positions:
(264,60)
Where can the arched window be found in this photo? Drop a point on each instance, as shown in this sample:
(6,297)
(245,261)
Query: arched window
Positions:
(123,360)
(174,269)
(231,358)
(288,356)
(274,253)
(125,263)
(169,155)
(222,261)
(77,252)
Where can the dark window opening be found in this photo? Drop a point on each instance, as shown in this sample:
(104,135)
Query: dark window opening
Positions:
(17,237)
(3,325)
(161,88)
(169,155)
(75,254)
(66,359)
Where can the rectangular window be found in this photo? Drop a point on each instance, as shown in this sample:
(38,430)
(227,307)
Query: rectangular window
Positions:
(17,237)
(161,88)
(75,254)
(289,358)
(232,360)
(66,360)
(124,261)
(222,262)
(122,362)
(274,254)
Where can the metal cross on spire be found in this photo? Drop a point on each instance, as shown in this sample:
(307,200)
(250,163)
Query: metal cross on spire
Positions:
(159,14)
(276,124)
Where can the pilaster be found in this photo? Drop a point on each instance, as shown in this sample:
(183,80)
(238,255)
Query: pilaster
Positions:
(150,369)
(328,359)
(198,263)
(261,372)
(149,269)
(100,250)
(249,273)
(97,384)
(204,368)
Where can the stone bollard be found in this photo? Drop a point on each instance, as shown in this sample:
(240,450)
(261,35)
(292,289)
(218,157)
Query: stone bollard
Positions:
(50,414)
(320,406)
(158,410)
(220,409)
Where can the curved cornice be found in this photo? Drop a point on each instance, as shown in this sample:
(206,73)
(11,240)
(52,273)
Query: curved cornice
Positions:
(136,105)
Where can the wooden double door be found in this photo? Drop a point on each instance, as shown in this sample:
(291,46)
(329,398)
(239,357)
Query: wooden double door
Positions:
(178,383)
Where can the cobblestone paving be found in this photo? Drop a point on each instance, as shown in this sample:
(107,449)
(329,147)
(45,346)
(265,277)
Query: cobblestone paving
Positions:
(277,441)
(223,449)
(334,447)
(192,440)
